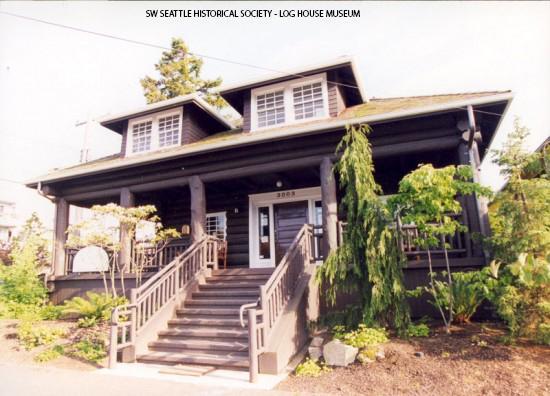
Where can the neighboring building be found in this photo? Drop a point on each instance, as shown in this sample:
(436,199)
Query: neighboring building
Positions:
(256,187)
(8,222)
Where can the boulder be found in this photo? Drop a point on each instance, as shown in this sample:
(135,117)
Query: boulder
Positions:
(317,342)
(315,353)
(337,353)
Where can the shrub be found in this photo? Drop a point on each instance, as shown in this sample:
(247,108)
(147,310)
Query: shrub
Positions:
(362,337)
(310,368)
(51,312)
(96,306)
(91,348)
(543,334)
(30,336)
(419,330)
(50,354)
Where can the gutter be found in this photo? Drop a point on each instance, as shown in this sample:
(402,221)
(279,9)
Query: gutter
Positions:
(256,137)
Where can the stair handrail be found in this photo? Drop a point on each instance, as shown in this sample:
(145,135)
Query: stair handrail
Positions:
(275,295)
(163,287)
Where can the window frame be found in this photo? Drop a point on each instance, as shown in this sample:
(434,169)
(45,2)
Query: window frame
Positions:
(217,214)
(155,135)
(288,87)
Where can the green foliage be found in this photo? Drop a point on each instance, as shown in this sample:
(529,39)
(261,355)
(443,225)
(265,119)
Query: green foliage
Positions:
(418,330)
(362,337)
(93,309)
(310,368)
(30,335)
(50,354)
(427,197)
(520,213)
(543,334)
(180,74)
(367,355)
(51,312)
(521,295)
(368,261)
(92,349)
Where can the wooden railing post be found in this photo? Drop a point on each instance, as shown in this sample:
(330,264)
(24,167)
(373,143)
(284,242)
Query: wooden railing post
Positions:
(133,315)
(113,340)
(253,346)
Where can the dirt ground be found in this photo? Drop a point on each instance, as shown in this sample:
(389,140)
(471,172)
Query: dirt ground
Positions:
(11,352)
(470,361)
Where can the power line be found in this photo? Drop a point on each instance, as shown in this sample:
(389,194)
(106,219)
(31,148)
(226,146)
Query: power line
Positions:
(11,181)
(139,42)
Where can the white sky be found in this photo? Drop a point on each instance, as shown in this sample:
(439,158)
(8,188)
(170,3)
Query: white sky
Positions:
(51,78)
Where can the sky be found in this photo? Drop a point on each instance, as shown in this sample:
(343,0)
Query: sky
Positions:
(52,79)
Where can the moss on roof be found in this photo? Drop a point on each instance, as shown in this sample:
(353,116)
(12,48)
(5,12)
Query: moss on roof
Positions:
(375,106)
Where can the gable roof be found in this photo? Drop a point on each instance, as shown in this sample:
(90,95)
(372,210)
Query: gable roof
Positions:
(374,111)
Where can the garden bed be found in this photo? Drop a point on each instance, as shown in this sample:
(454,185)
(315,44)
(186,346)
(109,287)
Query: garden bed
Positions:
(470,361)
(12,352)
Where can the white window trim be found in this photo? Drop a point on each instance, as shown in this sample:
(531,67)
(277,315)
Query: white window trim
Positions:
(287,88)
(216,214)
(154,118)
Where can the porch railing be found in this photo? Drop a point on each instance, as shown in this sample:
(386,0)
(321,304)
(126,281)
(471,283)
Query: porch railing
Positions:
(458,245)
(275,295)
(146,301)
(154,260)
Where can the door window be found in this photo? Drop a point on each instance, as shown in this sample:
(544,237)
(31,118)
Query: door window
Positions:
(264,233)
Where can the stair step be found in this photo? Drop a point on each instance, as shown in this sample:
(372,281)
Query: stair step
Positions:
(192,344)
(237,302)
(209,321)
(227,311)
(205,332)
(225,360)
(237,278)
(230,286)
(243,271)
(226,293)
(188,370)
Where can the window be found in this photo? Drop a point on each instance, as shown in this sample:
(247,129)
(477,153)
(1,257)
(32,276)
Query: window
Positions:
(290,102)
(153,132)
(308,101)
(169,130)
(216,224)
(271,108)
(141,136)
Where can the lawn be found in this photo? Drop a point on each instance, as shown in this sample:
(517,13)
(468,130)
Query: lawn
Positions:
(469,361)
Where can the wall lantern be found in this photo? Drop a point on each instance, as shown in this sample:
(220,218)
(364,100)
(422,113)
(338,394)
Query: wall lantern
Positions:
(279,184)
(185,230)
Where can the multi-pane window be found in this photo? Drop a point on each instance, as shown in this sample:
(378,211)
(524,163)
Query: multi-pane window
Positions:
(156,131)
(169,130)
(308,101)
(270,108)
(141,136)
(216,224)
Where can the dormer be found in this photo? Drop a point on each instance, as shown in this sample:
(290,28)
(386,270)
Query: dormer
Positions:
(166,124)
(304,95)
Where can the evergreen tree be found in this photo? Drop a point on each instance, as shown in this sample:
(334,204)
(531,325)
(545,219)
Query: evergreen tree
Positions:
(180,74)
(368,261)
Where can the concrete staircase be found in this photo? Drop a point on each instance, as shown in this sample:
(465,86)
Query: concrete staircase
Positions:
(206,329)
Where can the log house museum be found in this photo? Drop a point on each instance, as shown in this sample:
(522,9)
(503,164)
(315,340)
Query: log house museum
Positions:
(264,196)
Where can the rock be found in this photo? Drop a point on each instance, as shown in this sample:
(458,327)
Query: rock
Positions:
(380,355)
(338,354)
(419,354)
(317,342)
(315,353)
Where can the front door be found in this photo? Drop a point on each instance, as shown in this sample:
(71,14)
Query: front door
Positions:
(289,219)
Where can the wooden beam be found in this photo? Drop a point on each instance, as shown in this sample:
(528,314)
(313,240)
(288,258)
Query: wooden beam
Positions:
(60,236)
(127,200)
(198,208)
(329,207)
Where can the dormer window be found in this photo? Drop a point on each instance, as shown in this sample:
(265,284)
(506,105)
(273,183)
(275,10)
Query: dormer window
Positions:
(152,132)
(290,102)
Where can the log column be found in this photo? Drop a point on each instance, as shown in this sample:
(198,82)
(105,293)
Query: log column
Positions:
(60,236)
(330,207)
(198,208)
(127,200)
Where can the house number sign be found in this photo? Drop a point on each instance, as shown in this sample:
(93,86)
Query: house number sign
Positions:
(286,194)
